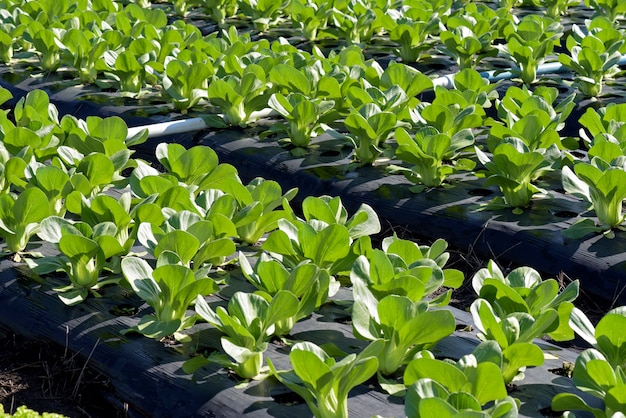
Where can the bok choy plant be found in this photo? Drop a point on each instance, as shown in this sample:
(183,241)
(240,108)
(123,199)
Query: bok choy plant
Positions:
(306,281)
(530,42)
(404,268)
(327,238)
(404,327)
(353,20)
(323,382)
(432,155)
(248,324)
(369,128)
(169,289)
(611,9)
(608,123)
(412,28)
(468,36)
(87,253)
(330,210)
(513,167)
(593,56)
(442,388)
(513,310)
(310,17)
(598,371)
(470,89)
(263,13)
(47,43)
(261,213)
(219,10)
(303,115)
(187,239)
(186,83)
(602,183)
(533,117)
(239,96)
(35,132)
(20,217)
(198,167)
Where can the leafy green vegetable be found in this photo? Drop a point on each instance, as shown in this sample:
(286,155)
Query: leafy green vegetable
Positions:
(598,371)
(467,38)
(514,167)
(612,9)
(310,17)
(330,210)
(199,168)
(532,117)
(186,83)
(439,388)
(511,311)
(411,29)
(353,20)
(523,290)
(369,129)
(530,42)
(303,115)
(432,155)
(248,324)
(263,13)
(24,412)
(87,52)
(607,123)
(321,381)
(86,252)
(20,217)
(187,239)
(306,281)
(47,42)
(405,327)
(405,269)
(219,10)
(601,182)
(169,289)
(239,96)
(594,55)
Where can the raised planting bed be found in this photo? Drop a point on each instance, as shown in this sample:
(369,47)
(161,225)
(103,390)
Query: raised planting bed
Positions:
(200,241)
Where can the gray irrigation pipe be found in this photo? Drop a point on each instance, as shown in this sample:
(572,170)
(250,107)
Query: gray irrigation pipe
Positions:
(197,124)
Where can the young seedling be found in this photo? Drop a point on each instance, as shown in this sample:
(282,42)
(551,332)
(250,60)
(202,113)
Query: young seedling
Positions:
(169,289)
(529,43)
(602,183)
(321,381)
(514,310)
(306,281)
(403,326)
(442,388)
(598,371)
(513,167)
(248,325)
(86,254)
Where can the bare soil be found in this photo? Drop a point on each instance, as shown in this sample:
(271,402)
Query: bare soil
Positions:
(47,378)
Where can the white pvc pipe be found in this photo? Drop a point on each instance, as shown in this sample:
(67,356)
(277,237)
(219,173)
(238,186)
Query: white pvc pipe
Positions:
(496,75)
(197,124)
(185,125)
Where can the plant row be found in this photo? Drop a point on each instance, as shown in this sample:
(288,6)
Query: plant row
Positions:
(373,110)
(136,47)
(196,217)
